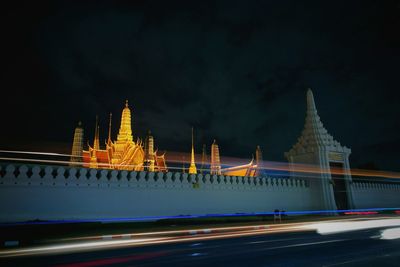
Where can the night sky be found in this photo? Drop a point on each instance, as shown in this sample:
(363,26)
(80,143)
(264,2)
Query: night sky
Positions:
(237,71)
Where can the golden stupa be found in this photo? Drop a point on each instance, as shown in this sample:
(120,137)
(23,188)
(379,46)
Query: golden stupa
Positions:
(124,153)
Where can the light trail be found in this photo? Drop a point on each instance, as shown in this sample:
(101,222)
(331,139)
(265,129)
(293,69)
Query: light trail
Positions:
(340,226)
(196,231)
(36,153)
(297,170)
(232,232)
(392,233)
(306,244)
(95,245)
(41,161)
(200,216)
(177,232)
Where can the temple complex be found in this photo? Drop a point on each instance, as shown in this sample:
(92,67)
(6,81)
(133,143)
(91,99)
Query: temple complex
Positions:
(127,154)
(121,154)
(319,181)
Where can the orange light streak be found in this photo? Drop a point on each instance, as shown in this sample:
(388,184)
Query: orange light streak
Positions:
(176,157)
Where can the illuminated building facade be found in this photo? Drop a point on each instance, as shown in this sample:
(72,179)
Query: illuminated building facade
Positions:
(123,153)
(127,154)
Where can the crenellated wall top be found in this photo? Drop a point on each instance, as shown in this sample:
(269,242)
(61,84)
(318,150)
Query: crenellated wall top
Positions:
(36,175)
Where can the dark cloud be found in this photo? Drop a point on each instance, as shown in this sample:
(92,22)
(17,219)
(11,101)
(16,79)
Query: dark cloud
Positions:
(235,70)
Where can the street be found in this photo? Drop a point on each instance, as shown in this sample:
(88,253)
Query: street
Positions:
(263,248)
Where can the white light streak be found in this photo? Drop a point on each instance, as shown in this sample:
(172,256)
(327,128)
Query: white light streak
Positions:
(338,227)
(392,233)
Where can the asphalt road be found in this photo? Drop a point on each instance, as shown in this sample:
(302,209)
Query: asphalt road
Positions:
(356,248)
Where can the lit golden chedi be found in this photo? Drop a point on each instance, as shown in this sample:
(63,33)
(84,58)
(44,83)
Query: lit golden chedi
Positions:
(192,167)
(124,153)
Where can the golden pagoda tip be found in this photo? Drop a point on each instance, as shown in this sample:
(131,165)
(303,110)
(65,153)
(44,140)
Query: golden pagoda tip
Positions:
(126,103)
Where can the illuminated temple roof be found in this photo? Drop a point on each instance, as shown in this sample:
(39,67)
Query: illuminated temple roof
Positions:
(124,153)
(314,135)
(249,169)
(125,130)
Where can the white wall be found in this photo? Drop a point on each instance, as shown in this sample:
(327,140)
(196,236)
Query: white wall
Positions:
(58,193)
(51,193)
(375,195)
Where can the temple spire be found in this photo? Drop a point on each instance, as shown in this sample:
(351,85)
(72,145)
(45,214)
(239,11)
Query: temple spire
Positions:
(215,167)
(314,135)
(77,146)
(313,125)
(149,155)
(192,168)
(96,146)
(258,156)
(259,161)
(125,129)
(203,159)
(310,101)
(96,142)
(109,130)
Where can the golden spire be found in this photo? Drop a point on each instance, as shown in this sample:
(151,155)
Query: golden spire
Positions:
(259,161)
(96,146)
(109,130)
(192,168)
(125,130)
(258,155)
(96,142)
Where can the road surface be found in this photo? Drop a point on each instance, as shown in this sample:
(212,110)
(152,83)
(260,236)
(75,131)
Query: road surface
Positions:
(295,248)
